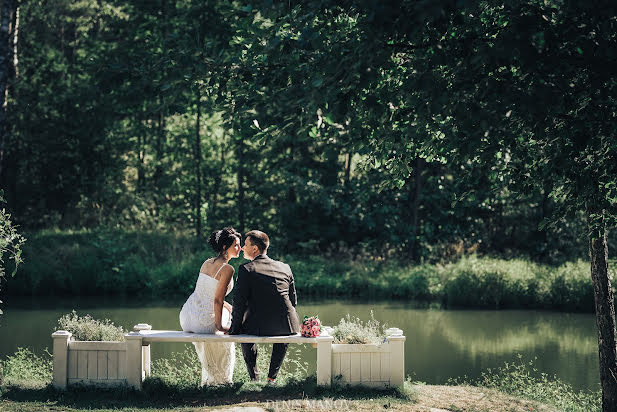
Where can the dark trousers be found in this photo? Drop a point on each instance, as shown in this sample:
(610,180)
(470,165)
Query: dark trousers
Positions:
(249,351)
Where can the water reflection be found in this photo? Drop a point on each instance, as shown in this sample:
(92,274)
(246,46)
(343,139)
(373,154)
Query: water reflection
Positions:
(440,344)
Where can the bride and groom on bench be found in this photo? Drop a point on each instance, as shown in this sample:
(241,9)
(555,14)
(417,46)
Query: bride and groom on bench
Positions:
(264,305)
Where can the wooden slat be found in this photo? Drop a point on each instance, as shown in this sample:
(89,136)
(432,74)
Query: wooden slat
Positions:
(104,383)
(122,365)
(81,345)
(376,384)
(365,367)
(82,364)
(355,359)
(112,364)
(72,364)
(102,361)
(375,367)
(385,366)
(336,365)
(92,364)
(346,367)
(339,347)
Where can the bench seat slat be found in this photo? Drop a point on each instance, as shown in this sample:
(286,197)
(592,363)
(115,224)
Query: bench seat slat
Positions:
(178,336)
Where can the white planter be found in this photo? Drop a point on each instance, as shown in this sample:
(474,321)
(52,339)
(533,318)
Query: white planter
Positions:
(371,365)
(102,364)
(88,363)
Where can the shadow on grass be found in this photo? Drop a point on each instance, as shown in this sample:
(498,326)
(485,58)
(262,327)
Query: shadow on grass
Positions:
(159,394)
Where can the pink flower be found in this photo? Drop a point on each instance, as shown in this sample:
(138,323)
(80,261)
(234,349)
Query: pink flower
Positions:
(316,331)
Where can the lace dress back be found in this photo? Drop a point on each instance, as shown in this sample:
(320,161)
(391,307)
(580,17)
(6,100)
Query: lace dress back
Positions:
(197,316)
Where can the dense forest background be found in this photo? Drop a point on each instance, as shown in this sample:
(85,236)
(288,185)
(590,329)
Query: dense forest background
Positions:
(152,115)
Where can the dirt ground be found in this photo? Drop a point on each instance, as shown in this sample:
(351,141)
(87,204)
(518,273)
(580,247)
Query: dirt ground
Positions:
(428,398)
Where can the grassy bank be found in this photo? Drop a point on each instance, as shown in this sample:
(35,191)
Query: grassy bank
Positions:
(175,385)
(160,264)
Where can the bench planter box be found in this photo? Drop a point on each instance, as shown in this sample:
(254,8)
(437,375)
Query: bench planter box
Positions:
(102,364)
(372,365)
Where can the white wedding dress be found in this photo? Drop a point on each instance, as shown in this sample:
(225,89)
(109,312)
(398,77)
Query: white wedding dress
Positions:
(197,316)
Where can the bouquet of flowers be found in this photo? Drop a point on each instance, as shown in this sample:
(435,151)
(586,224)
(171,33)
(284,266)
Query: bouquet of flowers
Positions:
(311,327)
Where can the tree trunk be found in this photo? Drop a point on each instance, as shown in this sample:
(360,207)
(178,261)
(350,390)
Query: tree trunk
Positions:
(605,309)
(5,67)
(347,169)
(14,39)
(215,192)
(415,209)
(240,160)
(160,139)
(198,168)
(162,102)
(141,150)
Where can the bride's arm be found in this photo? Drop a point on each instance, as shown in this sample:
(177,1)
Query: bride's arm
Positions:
(219,297)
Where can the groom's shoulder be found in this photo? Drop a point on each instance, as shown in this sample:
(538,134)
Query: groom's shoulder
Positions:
(248,266)
(282,265)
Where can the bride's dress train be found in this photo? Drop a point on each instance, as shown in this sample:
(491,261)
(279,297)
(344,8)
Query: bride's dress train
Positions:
(197,316)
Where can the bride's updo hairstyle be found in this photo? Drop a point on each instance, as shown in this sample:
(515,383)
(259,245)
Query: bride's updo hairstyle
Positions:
(221,240)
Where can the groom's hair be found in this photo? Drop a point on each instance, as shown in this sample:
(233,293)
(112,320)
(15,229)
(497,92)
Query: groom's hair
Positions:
(259,239)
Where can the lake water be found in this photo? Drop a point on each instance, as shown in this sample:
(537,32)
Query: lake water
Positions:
(440,344)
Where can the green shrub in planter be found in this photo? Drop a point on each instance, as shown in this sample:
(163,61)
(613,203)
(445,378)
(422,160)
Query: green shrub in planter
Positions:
(86,328)
(354,331)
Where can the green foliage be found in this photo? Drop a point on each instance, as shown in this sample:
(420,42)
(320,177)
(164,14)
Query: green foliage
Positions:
(341,127)
(157,265)
(11,242)
(523,380)
(183,369)
(88,329)
(474,282)
(409,390)
(355,331)
(25,367)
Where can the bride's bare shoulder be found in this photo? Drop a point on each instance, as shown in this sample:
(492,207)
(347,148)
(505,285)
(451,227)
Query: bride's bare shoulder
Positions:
(227,269)
(206,265)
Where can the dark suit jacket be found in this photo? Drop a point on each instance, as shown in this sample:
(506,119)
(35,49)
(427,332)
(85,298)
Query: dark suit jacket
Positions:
(265,299)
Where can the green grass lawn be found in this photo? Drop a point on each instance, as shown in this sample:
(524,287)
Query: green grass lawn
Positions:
(174,385)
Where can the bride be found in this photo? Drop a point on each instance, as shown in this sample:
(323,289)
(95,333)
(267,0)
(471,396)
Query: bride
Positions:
(206,311)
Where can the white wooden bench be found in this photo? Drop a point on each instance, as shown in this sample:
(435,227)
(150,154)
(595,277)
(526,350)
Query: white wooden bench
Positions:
(128,362)
(138,348)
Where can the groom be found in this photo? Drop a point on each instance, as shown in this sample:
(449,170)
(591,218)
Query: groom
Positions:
(264,303)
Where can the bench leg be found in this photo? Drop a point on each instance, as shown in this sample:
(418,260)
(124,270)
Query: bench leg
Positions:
(324,360)
(396,340)
(146,360)
(61,358)
(134,360)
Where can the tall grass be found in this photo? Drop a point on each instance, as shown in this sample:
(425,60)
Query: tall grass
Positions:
(181,371)
(26,368)
(158,265)
(523,380)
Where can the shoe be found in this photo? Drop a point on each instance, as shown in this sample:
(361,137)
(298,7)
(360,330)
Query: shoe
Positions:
(271,382)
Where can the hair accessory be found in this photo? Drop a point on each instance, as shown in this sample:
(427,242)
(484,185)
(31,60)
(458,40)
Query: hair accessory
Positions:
(218,236)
